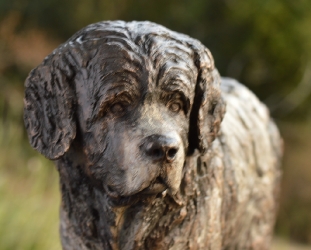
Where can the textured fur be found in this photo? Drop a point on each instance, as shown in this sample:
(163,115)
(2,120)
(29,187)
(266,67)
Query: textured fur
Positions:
(129,112)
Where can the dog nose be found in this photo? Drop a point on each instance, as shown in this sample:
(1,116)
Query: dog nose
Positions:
(161,148)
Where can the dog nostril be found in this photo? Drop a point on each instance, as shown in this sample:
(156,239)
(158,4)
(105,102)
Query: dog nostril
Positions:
(157,153)
(154,150)
(171,153)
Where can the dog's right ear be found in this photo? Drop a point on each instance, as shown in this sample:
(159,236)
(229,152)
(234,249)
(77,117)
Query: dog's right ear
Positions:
(49,107)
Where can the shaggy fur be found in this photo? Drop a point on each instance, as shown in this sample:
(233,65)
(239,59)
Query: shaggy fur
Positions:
(129,113)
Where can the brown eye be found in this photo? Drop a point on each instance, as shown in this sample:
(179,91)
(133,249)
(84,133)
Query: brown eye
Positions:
(175,107)
(117,108)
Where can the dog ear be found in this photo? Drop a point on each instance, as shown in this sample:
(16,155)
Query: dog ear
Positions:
(208,106)
(49,107)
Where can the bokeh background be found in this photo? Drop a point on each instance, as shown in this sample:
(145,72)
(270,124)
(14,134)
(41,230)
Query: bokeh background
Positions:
(265,44)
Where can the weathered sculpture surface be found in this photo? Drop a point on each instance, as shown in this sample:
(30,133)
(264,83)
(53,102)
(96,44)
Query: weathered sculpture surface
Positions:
(131,113)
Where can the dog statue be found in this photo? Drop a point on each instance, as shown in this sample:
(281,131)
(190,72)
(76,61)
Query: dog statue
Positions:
(153,148)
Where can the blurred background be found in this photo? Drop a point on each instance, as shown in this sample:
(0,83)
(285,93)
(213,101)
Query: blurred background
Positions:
(265,44)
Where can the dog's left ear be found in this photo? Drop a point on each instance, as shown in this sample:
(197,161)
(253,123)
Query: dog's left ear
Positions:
(208,106)
(48,107)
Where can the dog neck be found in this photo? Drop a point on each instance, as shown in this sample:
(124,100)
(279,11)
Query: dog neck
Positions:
(90,220)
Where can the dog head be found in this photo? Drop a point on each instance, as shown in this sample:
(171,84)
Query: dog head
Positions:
(129,101)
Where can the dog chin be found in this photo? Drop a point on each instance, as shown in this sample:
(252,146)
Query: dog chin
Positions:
(156,188)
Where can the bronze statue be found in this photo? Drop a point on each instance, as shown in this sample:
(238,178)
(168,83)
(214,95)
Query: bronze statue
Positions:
(131,114)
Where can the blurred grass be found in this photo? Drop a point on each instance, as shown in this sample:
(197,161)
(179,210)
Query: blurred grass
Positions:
(282,244)
(29,196)
(294,219)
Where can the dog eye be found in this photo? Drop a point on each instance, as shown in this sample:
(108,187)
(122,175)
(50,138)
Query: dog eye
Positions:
(175,107)
(117,108)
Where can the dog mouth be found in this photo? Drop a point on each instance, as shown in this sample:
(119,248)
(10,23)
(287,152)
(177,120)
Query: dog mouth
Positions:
(158,186)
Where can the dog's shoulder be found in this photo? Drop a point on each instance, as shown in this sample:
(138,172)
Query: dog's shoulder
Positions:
(250,133)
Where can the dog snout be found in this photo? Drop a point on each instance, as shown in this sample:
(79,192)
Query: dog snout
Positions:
(161,148)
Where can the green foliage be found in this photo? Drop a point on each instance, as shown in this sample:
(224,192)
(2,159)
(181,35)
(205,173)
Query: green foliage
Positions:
(263,43)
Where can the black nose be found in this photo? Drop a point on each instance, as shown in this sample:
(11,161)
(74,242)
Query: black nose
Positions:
(161,148)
